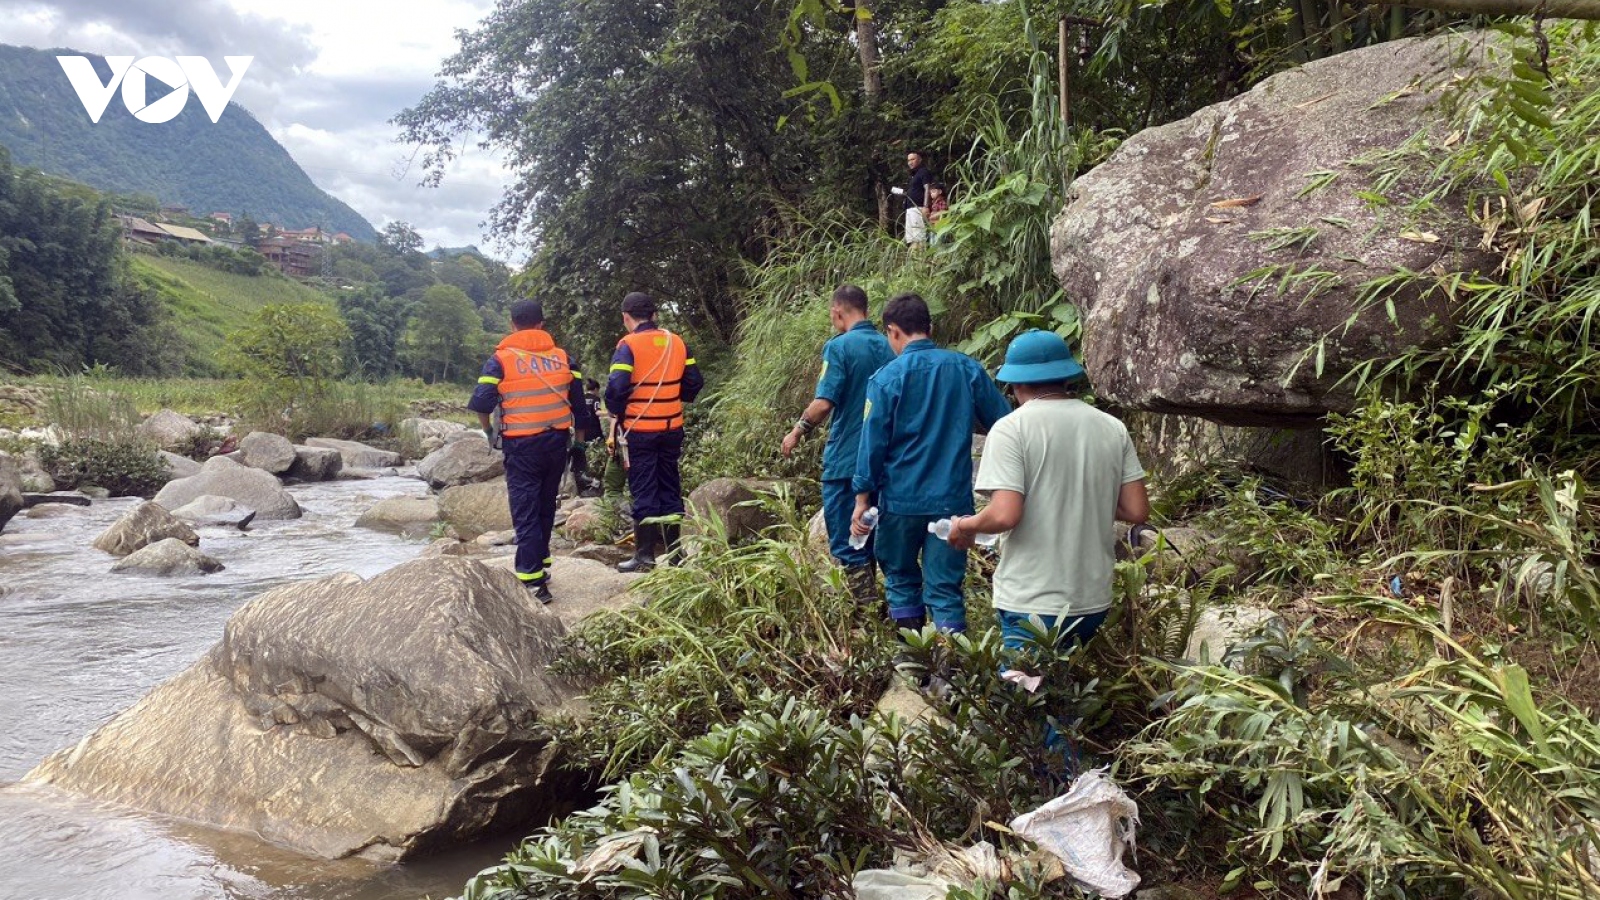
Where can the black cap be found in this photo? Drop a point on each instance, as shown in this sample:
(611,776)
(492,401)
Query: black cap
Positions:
(527,314)
(639,305)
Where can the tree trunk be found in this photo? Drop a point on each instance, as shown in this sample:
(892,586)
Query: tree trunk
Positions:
(867,51)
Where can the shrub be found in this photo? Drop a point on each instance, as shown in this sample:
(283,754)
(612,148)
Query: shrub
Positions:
(124,467)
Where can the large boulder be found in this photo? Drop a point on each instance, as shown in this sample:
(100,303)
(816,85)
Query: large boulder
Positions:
(473,509)
(210,510)
(357,455)
(735,502)
(461,462)
(1212,254)
(423,436)
(1219,629)
(168,556)
(584,519)
(316,463)
(410,516)
(10,489)
(170,430)
(178,466)
(223,477)
(387,718)
(583,587)
(148,523)
(267,451)
(35,479)
(1173,446)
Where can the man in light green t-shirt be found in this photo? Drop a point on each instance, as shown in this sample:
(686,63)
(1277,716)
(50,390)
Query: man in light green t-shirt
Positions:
(1058,472)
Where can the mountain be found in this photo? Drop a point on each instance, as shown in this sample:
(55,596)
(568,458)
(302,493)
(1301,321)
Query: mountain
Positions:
(443,253)
(233,165)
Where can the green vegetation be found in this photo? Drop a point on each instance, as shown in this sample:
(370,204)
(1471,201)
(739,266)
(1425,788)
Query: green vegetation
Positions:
(232,165)
(207,304)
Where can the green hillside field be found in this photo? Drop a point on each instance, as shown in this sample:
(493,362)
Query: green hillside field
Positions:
(207,304)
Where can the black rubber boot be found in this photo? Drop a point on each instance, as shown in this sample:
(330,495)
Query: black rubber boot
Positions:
(645,538)
(541,592)
(671,538)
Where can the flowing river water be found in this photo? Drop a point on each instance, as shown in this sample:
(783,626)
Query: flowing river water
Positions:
(78,644)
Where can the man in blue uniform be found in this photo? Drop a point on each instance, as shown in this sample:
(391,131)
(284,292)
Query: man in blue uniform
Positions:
(533,383)
(652,377)
(848,360)
(916,456)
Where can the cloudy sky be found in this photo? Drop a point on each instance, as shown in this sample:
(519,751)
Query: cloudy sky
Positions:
(327,77)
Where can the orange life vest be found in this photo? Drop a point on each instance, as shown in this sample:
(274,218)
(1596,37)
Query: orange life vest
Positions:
(655,403)
(534,386)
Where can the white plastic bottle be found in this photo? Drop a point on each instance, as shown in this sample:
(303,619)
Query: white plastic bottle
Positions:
(941,530)
(869,519)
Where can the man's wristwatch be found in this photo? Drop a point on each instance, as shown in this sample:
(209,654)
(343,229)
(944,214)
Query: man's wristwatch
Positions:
(804,426)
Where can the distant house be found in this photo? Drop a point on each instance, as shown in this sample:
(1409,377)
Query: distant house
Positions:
(223,217)
(293,257)
(173,209)
(139,231)
(342,238)
(184,235)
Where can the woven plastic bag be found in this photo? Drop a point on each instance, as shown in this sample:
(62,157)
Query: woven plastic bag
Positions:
(1088,828)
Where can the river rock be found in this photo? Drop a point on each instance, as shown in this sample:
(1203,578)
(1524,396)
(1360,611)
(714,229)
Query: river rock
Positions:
(66,498)
(10,489)
(223,477)
(609,554)
(1188,555)
(170,430)
(428,435)
(585,520)
(1157,243)
(582,587)
(410,516)
(34,478)
(266,451)
(211,510)
(357,455)
(179,466)
(731,501)
(53,511)
(316,463)
(1221,628)
(169,556)
(148,523)
(461,462)
(388,718)
(473,509)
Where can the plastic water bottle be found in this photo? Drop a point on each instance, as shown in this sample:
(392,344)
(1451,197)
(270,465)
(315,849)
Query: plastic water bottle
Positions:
(941,530)
(869,519)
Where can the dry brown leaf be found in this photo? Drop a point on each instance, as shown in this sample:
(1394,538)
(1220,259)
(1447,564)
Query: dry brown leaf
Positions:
(1217,220)
(1420,237)
(1530,210)
(1236,202)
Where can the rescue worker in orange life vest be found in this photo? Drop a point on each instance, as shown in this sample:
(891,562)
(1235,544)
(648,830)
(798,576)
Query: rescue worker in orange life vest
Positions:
(652,377)
(536,386)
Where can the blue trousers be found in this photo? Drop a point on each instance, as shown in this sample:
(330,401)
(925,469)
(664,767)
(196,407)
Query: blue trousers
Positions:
(1079,628)
(653,476)
(838,505)
(922,574)
(534,466)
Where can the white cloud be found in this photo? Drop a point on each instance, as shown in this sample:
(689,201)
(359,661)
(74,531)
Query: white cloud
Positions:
(326,79)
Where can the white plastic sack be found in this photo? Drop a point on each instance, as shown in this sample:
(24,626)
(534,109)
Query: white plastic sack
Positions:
(887,884)
(1088,828)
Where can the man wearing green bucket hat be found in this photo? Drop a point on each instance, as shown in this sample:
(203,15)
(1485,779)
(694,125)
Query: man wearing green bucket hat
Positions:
(1056,471)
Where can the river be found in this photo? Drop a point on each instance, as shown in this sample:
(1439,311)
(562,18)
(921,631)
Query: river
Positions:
(78,644)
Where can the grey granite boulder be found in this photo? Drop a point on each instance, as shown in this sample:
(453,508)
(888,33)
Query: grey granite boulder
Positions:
(428,435)
(179,466)
(409,516)
(170,430)
(316,463)
(266,451)
(223,477)
(211,510)
(10,489)
(473,509)
(461,462)
(357,455)
(1211,255)
(169,556)
(387,718)
(148,523)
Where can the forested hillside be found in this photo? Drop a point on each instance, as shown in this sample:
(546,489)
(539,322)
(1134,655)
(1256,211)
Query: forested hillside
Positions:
(232,165)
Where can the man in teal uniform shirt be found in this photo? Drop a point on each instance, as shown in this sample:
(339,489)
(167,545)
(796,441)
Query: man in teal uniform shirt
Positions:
(915,455)
(848,360)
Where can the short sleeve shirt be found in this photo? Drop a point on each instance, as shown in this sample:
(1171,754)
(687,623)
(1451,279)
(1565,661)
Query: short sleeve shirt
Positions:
(1069,461)
(848,362)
